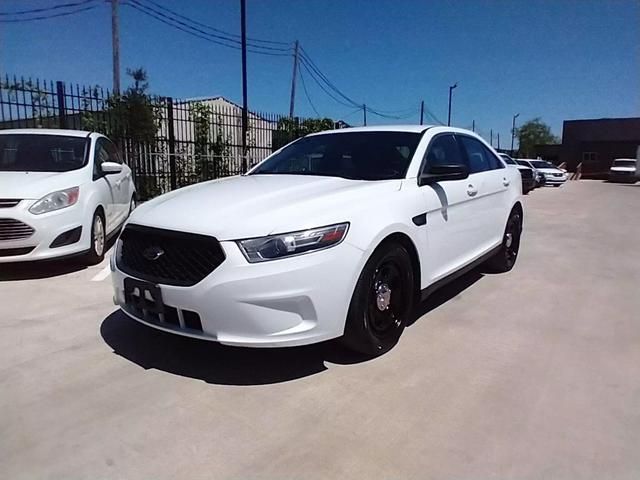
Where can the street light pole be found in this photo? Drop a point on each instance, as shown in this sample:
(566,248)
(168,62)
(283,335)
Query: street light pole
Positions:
(513,130)
(450,92)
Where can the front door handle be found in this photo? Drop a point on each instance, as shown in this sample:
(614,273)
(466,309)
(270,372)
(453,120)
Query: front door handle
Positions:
(472,190)
(505,182)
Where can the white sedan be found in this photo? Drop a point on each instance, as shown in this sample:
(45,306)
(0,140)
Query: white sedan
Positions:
(62,193)
(335,235)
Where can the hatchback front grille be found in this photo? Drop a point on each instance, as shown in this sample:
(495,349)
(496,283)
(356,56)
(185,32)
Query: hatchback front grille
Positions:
(11,229)
(166,256)
(8,202)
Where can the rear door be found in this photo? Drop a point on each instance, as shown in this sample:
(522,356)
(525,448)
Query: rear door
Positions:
(453,224)
(491,179)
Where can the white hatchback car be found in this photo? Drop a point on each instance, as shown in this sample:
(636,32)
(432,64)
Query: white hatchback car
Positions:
(336,234)
(62,193)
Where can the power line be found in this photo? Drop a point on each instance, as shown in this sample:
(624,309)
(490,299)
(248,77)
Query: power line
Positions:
(306,93)
(197,32)
(209,27)
(54,15)
(190,24)
(324,89)
(48,9)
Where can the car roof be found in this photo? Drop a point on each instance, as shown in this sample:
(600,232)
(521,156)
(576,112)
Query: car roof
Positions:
(378,128)
(46,131)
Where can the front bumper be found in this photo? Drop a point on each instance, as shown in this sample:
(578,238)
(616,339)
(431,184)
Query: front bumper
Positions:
(551,180)
(47,227)
(286,302)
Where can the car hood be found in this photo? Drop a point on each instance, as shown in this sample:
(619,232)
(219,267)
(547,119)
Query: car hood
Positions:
(35,185)
(550,170)
(257,205)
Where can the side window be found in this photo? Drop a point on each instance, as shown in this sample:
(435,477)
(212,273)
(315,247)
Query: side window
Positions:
(481,159)
(112,150)
(443,150)
(101,155)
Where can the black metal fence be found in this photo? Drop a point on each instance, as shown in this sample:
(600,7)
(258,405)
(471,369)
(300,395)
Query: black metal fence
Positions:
(168,143)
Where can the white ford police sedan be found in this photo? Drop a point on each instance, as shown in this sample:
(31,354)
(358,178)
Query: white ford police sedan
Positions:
(335,235)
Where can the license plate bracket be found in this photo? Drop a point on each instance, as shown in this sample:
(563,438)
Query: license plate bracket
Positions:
(144,297)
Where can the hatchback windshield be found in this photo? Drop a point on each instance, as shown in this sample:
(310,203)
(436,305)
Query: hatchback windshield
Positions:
(541,164)
(356,155)
(507,159)
(41,153)
(624,163)
(523,163)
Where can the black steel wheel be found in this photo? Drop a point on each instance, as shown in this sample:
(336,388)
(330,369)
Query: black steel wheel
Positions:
(506,257)
(382,301)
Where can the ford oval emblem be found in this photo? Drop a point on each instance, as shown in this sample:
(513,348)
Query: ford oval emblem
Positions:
(152,253)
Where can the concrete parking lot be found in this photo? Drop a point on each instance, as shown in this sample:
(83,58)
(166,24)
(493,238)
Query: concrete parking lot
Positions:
(528,375)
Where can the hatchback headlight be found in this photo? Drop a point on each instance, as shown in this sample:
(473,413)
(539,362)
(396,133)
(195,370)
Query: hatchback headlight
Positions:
(287,244)
(56,201)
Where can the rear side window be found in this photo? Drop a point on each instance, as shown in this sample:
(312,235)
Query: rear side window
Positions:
(480,158)
(443,150)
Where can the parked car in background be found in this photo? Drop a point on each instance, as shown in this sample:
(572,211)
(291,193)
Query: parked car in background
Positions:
(62,193)
(552,175)
(539,177)
(335,235)
(528,178)
(623,170)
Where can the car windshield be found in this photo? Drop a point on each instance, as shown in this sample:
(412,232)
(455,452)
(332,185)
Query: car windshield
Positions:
(508,159)
(624,163)
(372,155)
(523,163)
(41,153)
(541,164)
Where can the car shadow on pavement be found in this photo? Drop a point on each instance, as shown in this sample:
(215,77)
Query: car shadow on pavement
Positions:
(40,269)
(446,293)
(215,363)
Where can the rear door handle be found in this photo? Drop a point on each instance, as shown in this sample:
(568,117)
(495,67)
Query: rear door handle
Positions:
(472,191)
(505,182)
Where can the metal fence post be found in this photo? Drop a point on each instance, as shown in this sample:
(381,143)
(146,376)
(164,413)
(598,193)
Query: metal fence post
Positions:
(172,144)
(62,116)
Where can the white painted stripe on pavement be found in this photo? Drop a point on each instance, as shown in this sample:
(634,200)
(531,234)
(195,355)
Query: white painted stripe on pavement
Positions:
(101,275)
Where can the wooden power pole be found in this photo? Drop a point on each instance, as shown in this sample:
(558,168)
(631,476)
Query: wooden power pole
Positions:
(421,112)
(293,80)
(115,40)
(364,112)
(245,120)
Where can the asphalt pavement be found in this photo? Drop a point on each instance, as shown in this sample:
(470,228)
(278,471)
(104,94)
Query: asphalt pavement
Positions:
(534,374)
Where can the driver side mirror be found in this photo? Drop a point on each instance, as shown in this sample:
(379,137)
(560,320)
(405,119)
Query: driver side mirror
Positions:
(442,173)
(109,168)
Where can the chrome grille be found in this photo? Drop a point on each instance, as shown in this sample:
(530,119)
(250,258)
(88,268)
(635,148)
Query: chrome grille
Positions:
(11,229)
(8,202)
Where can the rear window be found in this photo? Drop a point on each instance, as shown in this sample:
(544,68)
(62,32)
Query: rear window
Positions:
(41,153)
(624,163)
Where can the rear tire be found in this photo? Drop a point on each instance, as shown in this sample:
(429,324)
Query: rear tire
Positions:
(382,301)
(505,259)
(98,239)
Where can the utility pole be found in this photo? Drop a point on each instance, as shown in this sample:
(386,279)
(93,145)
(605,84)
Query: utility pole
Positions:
(364,111)
(115,41)
(513,130)
(498,140)
(243,28)
(491,137)
(293,79)
(450,91)
(473,125)
(421,112)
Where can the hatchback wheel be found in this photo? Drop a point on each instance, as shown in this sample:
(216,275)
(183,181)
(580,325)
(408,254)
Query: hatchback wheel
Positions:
(98,239)
(382,301)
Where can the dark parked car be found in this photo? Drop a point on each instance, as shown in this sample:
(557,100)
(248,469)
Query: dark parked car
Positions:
(528,177)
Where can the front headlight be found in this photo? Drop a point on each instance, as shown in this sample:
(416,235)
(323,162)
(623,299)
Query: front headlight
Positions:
(56,201)
(294,243)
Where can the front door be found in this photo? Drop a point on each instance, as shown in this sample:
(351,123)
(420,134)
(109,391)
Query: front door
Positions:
(453,225)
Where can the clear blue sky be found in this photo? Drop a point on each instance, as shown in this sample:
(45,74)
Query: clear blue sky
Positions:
(551,59)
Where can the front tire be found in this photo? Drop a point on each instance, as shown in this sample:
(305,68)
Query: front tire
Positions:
(382,301)
(505,259)
(98,239)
